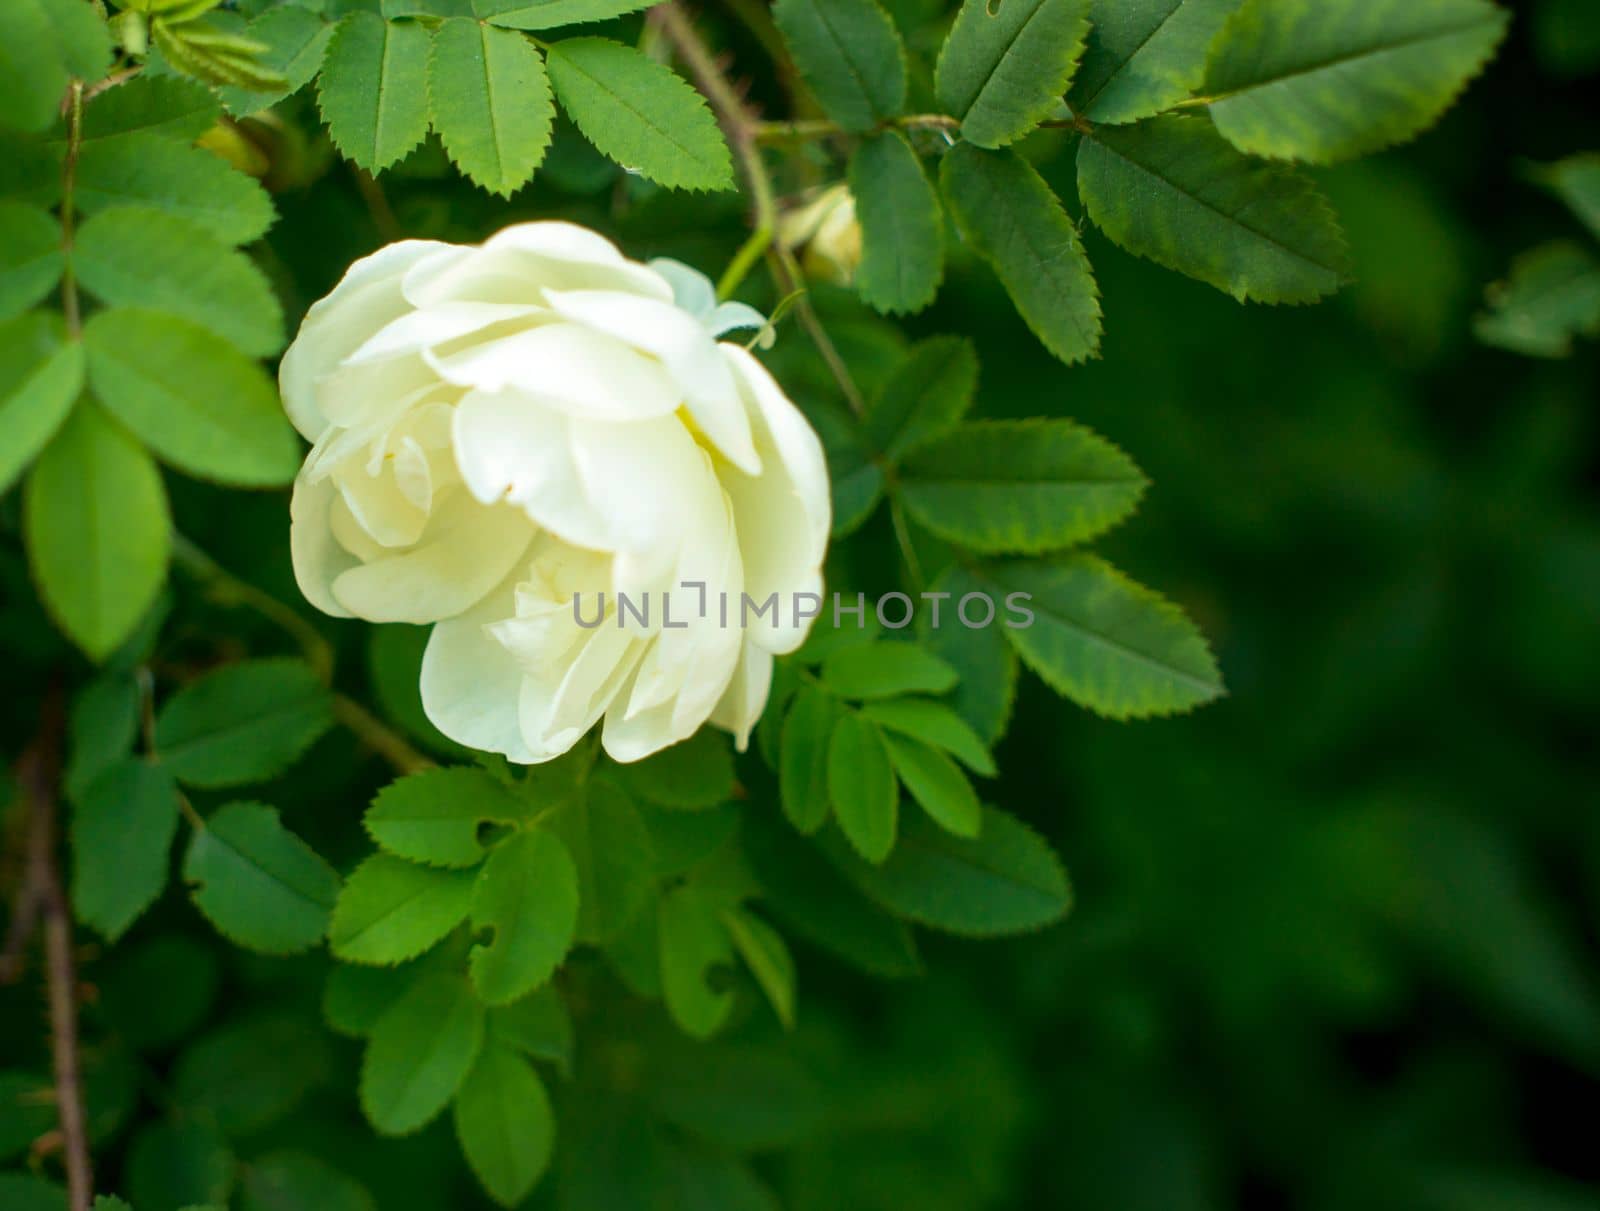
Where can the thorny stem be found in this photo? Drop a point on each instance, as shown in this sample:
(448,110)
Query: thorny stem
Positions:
(69,179)
(42,897)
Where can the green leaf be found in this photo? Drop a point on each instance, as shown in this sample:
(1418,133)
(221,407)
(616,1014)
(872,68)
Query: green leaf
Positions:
(928,393)
(179,1163)
(609,844)
(200,404)
(505,1124)
(297,1181)
(43,44)
(148,169)
(1007,213)
(1006,881)
(538,1025)
(420,1052)
(41,376)
(549,14)
(902,227)
(1576,181)
(355,998)
(391,910)
(640,114)
(1328,80)
(296,40)
(490,102)
(816,902)
(767,956)
(374,88)
(258,883)
(985,662)
(1020,486)
(861,786)
(137,256)
(694,944)
(803,759)
(527,894)
(886,670)
(1174,191)
(26,1112)
(1551,297)
(738,1097)
(97,530)
(850,54)
(251,1074)
(122,834)
(30,168)
(165,105)
(434,817)
(30,257)
(692,774)
(24,1192)
(1006,63)
(243,722)
(937,783)
(935,724)
(102,728)
(1105,642)
(1144,56)
(856,482)
(186,971)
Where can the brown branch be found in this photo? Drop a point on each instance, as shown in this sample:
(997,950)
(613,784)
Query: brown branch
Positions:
(43,897)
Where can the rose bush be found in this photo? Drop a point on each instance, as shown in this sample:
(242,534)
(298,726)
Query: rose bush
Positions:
(497,429)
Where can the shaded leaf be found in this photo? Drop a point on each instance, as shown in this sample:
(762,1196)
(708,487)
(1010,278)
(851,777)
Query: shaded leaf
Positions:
(928,393)
(505,1124)
(1144,56)
(420,1052)
(902,226)
(1006,63)
(861,786)
(122,831)
(243,722)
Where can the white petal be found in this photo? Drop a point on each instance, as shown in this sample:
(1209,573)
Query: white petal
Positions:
(741,707)
(516,265)
(685,348)
(556,712)
(783,514)
(318,559)
(568,367)
(368,297)
(440,324)
(691,289)
(465,551)
(470,690)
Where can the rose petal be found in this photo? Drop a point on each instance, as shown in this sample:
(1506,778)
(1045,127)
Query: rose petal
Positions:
(469,689)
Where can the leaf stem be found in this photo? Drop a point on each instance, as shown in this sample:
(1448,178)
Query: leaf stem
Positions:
(70,307)
(378,736)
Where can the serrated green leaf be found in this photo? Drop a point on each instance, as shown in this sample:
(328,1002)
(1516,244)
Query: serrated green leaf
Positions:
(538,1025)
(296,40)
(434,817)
(640,114)
(44,44)
(861,786)
(101,729)
(850,54)
(216,52)
(30,257)
(610,846)
(935,724)
(692,774)
(1576,181)
(173,1164)
(148,169)
(1144,56)
(355,998)
(259,884)
(243,722)
(767,956)
(30,168)
(937,783)
(164,105)
(549,14)
(694,944)
(97,529)
(1006,63)
(122,832)
(1103,641)
(290,1181)
(527,893)
(391,910)
(490,102)
(902,226)
(928,393)
(855,481)
(136,256)
(803,759)
(505,1124)
(886,670)
(1551,298)
(985,662)
(1006,881)
(250,1074)
(1007,213)
(420,1052)
(1020,486)
(41,377)
(196,401)
(373,90)
(1328,80)
(1174,191)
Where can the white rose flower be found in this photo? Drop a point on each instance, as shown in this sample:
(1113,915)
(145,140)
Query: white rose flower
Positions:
(502,429)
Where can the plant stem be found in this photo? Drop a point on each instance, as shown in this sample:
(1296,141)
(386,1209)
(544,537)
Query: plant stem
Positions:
(70,306)
(378,736)
(822,128)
